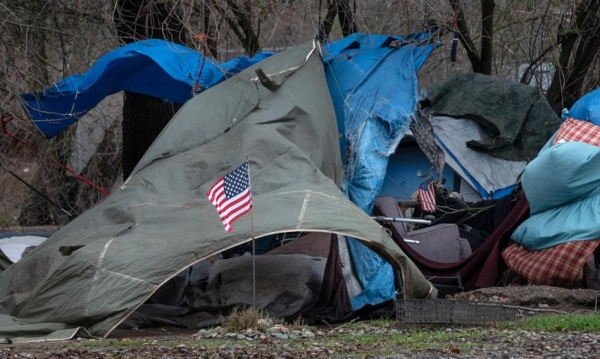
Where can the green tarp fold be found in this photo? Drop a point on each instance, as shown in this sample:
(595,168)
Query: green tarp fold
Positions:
(515,118)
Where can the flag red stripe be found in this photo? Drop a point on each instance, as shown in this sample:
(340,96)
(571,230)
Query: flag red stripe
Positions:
(240,213)
(234,202)
(232,216)
(226,217)
(216,191)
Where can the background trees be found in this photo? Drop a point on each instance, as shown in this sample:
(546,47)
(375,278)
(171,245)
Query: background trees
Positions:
(552,44)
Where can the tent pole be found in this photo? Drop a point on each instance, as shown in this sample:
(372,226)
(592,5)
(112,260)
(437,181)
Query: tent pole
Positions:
(253,246)
(36,191)
(253,268)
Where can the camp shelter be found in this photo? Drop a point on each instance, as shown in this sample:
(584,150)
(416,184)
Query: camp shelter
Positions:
(159,222)
(374,87)
(488,128)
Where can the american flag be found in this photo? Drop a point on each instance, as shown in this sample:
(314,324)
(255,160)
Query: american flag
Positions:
(231,195)
(427,195)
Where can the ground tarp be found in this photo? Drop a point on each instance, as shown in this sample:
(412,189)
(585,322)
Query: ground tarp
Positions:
(160,222)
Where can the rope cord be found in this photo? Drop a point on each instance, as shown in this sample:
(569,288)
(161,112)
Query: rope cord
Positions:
(7,118)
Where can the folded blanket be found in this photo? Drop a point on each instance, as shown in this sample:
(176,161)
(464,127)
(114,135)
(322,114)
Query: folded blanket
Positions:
(561,265)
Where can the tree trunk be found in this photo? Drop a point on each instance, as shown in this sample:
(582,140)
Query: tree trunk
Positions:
(241,25)
(49,179)
(487,36)
(144,116)
(210,29)
(579,48)
(346,17)
(465,35)
(328,21)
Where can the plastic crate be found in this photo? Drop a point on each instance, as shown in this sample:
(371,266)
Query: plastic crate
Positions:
(438,311)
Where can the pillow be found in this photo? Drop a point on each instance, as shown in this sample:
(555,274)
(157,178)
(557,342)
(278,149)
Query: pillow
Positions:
(573,130)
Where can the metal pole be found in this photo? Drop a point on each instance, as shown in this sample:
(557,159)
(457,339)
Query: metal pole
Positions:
(36,191)
(253,242)
(397,219)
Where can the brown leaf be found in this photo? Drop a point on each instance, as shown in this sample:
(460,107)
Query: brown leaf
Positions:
(455,349)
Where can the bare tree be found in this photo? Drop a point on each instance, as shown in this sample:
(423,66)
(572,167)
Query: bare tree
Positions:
(481,61)
(43,41)
(144,117)
(579,44)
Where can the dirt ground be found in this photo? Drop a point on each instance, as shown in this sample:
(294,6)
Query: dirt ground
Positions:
(553,299)
(171,342)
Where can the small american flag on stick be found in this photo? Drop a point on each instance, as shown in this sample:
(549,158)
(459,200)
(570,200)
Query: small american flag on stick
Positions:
(427,195)
(231,195)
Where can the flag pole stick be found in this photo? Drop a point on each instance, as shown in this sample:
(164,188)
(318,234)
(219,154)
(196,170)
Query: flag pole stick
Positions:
(253,244)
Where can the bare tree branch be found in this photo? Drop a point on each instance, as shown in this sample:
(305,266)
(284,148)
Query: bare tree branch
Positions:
(465,36)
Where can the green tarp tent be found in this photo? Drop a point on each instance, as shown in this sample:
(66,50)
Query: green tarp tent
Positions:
(94,272)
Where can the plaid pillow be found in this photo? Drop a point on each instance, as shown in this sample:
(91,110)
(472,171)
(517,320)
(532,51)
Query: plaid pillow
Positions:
(573,130)
(561,265)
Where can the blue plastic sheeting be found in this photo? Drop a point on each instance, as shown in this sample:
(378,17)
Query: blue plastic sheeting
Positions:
(564,205)
(151,67)
(587,108)
(374,91)
(401,181)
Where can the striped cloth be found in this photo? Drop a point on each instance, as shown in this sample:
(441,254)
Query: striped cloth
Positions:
(577,131)
(561,265)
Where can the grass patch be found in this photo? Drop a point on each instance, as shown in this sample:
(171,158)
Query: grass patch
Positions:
(114,343)
(214,343)
(416,339)
(297,324)
(376,337)
(559,323)
(379,323)
(244,318)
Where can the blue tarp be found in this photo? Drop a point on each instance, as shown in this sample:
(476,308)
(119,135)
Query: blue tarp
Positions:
(374,91)
(151,67)
(587,108)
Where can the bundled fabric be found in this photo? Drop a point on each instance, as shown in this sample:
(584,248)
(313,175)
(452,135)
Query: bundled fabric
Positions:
(587,108)
(563,188)
(561,265)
